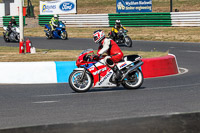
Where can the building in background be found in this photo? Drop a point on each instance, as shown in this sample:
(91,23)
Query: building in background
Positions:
(9,8)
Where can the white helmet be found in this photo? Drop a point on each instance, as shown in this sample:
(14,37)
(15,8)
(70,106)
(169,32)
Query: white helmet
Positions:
(117,22)
(55,16)
(98,36)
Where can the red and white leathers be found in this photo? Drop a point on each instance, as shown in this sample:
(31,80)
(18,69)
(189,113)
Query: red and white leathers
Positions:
(112,49)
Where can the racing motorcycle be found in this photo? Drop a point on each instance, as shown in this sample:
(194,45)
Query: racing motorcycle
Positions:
(96,73)
(59,31)
(121,38)
(14,35)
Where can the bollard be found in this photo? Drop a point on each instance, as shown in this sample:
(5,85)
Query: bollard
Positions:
(28,46)
(21,47)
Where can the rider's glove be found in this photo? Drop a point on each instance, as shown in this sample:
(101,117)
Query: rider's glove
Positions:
(95,57)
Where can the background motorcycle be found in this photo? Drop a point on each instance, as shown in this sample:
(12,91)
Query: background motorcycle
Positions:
(59,31)
(14,35)
(121,38)
(97,74)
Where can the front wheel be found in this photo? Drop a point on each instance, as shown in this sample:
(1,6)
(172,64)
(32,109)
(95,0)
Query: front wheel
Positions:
(128,41)
(5,39)
(64,36)
(77,85)
(134,80)
(48,36)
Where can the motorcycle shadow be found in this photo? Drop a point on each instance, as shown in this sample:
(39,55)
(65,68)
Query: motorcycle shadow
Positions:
(11,41)
(113,89)
(122,45)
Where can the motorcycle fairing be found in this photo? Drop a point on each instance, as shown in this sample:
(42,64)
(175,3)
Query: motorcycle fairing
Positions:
(58,30)
(101,74)
(123,64)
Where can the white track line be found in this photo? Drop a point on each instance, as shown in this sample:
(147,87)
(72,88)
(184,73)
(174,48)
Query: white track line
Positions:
(44,102)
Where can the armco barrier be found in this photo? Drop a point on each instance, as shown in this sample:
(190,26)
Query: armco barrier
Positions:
(165,19)
(141,19)
(44,19)
(185,18)
(6,20)
(1,22)
(59,71)
(85,20)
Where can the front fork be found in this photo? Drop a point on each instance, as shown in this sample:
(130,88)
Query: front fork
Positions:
(83,75)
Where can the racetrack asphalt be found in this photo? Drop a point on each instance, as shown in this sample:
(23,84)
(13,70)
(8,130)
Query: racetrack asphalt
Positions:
(43,104)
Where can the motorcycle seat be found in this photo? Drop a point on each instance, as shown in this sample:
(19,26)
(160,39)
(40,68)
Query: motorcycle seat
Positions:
(131,57)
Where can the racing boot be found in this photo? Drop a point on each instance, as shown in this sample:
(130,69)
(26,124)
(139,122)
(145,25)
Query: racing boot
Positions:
(117,73)
(51,33)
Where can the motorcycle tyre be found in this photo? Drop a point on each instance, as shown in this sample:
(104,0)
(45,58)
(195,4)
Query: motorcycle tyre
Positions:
(6,39)
(130,44)
(87,86)
(17,38)
(64,37)
(137,85)
(48,36)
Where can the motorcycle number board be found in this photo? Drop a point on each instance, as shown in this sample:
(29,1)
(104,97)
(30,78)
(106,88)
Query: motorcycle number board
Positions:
(58,7)
(125,6)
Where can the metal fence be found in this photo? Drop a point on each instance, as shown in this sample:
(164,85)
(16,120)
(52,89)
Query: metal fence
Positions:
(185,18)
(44,19)
(1,21)
(141,19)
(85,20)
(4,21)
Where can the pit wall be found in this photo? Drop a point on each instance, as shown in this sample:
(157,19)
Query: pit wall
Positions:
(59,71)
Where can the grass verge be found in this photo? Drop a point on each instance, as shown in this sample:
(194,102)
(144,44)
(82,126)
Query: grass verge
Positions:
(11,54)
(177,34)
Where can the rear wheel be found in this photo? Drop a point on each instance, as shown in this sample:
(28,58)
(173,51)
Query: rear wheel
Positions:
(128,41)
(77,85)
(134,80)
(17,37)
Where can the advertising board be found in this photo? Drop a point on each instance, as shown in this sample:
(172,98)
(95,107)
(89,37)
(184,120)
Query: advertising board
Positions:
(57,7)
(125,6)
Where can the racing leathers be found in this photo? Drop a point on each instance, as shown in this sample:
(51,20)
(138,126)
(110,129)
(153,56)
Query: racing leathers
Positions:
(114,55)
(115,31)
(112,49)
(53,23)
(11,24)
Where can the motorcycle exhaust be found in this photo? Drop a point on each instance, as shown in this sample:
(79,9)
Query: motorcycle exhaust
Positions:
(132,69)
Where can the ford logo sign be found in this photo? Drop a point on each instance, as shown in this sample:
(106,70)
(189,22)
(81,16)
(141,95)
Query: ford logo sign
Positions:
(67,6)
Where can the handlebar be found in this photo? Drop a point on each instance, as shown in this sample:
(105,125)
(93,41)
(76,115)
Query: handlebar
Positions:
(90,58)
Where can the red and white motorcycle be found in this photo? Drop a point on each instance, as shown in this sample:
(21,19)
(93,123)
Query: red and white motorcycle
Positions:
(97,74)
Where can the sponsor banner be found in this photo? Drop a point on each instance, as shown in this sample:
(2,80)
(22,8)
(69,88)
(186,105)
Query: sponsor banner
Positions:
(125,6)
(57,7)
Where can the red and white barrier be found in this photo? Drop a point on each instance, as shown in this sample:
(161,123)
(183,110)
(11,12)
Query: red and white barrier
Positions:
(58,72)
(160,66)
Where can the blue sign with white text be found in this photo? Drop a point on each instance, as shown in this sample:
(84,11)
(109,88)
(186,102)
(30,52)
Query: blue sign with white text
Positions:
(67,6)
(125,6)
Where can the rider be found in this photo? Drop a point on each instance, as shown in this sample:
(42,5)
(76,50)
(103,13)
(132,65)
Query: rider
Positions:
(118,26)
(114,53)
(11,24)
(53,23)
